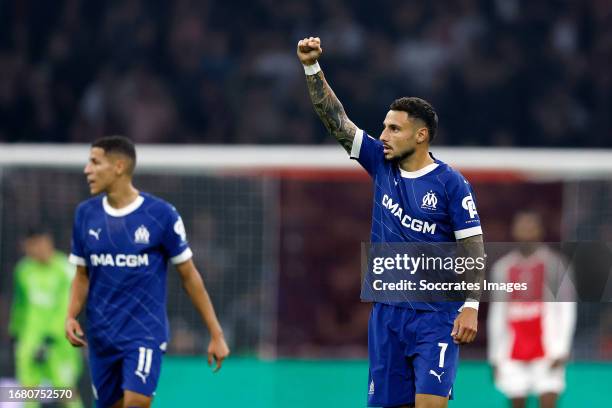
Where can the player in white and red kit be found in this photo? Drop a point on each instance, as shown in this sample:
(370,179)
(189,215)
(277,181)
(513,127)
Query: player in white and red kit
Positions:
(530,333)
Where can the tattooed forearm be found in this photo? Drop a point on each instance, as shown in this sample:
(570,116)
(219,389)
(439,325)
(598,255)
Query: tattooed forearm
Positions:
(472,247)
(330,110)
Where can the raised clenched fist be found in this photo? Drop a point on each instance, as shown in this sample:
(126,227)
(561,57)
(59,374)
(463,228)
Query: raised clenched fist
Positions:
(309,50)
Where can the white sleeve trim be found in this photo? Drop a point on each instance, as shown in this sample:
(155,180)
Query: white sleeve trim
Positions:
(356,148)
(468,232)
(182,257)
(77,260)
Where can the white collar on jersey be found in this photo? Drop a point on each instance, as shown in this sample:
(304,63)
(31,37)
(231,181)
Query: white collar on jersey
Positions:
(121,212)
(421,172)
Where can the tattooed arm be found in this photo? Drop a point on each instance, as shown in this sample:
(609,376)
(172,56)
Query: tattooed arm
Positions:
(473,247)
(466,323)
(325,102)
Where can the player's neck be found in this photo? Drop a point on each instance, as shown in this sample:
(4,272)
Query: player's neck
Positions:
(416,161)
(122,195)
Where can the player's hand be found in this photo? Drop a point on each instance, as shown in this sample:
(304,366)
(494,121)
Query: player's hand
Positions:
(74,333)
(309,50)
(466,326)
(558,362)
(217,351)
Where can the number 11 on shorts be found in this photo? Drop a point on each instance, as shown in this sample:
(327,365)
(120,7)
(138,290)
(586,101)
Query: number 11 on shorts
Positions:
(443,347)
(145,357)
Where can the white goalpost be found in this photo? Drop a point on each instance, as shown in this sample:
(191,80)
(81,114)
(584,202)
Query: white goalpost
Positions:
(533,162)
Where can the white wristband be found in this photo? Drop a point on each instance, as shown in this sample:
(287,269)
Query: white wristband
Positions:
(471,304)
(312,69)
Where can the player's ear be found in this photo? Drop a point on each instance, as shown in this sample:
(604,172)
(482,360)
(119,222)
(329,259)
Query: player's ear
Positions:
(121,166)
(422,135)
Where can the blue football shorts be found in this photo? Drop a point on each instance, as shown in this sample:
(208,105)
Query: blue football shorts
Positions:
(134,369)
(410,352)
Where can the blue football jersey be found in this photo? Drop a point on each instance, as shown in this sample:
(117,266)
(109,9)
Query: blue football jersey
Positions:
(126,252)
(433,204)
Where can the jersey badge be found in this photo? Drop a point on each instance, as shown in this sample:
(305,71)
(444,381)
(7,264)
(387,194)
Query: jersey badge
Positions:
(141,236)
(468,204)
(179,229)
(429,201)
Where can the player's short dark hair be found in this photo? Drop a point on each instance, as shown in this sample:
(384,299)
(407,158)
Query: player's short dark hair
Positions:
(35,230)
(117,144)
(419,109)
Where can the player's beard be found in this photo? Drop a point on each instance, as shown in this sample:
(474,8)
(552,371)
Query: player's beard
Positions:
(404,155)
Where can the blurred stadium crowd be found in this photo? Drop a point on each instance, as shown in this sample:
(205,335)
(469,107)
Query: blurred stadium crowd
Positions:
(523,73)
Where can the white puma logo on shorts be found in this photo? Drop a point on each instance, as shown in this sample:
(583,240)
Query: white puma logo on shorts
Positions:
(438,376)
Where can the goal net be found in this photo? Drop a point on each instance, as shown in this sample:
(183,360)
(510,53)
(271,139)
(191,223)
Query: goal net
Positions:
(276,231)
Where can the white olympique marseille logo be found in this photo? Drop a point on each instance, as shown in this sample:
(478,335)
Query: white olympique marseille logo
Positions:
(179,228)
(468,204)
(371,390)
(438,376)
(430,201)
(141,236)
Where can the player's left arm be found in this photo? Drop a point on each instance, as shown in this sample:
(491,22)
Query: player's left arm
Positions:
(564,308)
(466,323)
(18,306)
(194,286)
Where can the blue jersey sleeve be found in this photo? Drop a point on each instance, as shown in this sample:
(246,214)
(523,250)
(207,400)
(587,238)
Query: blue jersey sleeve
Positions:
(175,238)
(77,254)
(462,208)
(367,151)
